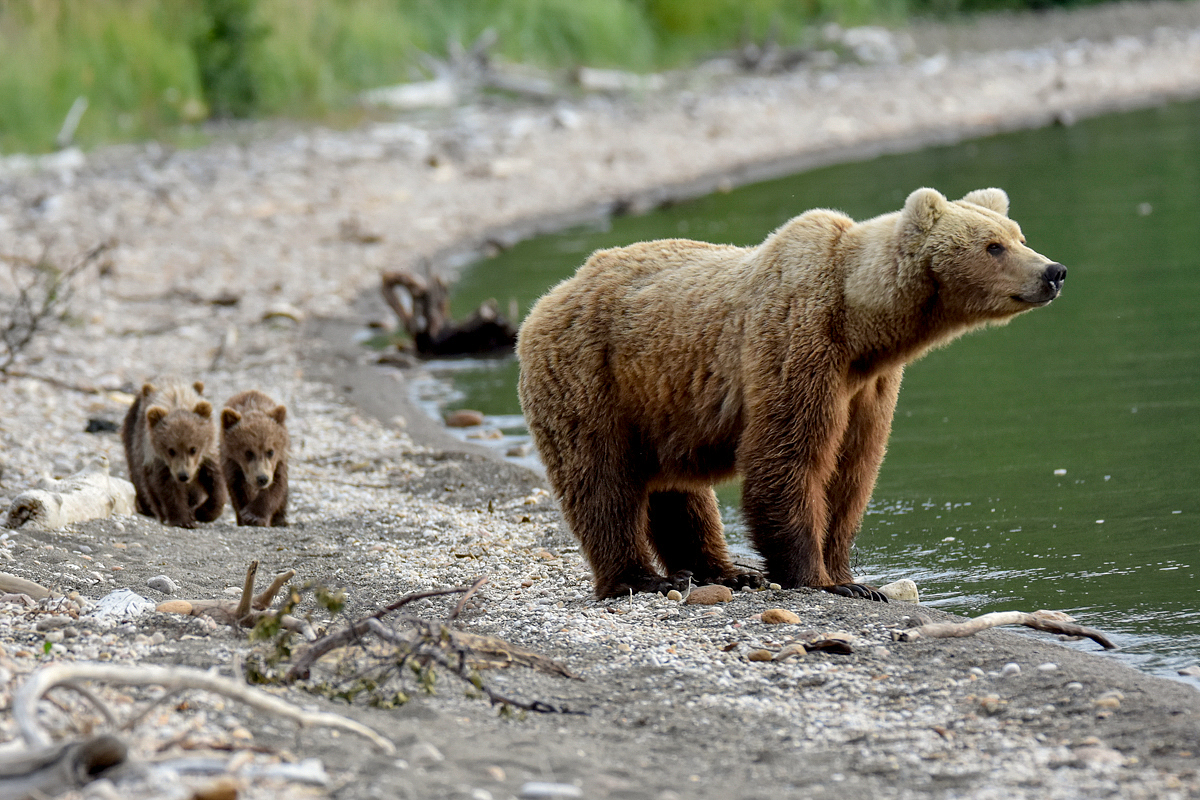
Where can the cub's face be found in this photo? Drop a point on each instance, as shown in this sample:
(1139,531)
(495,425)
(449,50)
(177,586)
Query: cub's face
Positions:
(255,443)
(181,439)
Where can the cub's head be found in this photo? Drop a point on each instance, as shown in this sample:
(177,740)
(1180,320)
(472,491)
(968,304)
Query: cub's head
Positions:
(976,255)
(181,438)
(256,440)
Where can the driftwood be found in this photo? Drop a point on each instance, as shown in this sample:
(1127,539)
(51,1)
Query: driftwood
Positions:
(90,493)
(1049,621)
(12,584)
(58,768)
(174,679)
(248,610)
(426,319)
(424,642)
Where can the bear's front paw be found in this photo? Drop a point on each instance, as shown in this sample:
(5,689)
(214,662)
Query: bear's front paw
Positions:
(861,590)
(740,580)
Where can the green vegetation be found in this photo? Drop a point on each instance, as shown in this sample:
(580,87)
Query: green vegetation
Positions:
(147,66)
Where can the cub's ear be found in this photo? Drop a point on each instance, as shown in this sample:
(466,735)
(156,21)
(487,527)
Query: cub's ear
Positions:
(155,415)
(204,409)
(278,413)
(994,199)
(199,387)
(148,389)
(922,209)
(229,418)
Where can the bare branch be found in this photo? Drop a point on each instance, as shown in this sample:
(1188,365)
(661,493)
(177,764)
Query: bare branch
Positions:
(1048,621)
(25,699)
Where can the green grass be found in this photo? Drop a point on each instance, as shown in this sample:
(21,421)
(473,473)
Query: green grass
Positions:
(148,67)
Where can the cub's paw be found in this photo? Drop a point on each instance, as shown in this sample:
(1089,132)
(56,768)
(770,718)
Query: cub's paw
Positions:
(860,590)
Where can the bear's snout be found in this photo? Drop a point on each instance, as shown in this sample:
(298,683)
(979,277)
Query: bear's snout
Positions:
(1054,275)
(182,477)
(262,480)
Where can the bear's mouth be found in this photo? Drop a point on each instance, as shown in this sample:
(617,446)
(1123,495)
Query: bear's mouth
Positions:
(1035,302)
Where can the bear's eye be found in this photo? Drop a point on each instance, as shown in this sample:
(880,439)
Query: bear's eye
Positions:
(171,452)
(995,249)
(249,455)
(192,451)
(270,454)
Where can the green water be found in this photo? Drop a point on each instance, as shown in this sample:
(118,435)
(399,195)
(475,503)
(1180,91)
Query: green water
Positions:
(1104,383)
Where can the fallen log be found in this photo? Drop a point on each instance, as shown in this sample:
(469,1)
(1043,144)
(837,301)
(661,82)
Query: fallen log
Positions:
(58,768)
(90,493)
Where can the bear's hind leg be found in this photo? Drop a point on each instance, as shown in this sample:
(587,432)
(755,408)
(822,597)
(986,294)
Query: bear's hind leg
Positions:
(685,529)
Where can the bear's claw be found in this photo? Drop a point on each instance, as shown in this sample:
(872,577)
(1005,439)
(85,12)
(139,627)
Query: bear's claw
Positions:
(649,582)
(860,590)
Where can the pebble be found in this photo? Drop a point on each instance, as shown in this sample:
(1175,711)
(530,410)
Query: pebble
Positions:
(541,790)
(163,584)
(425,753)
(791,651)
(674,595)
(760,655)
(774,587)
(709,595)
(780,616)
(1011,668)
(903,590)
(1047,667)
(1109,700)
(464,418)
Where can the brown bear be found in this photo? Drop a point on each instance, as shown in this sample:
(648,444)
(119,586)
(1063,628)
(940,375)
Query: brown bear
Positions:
(171,449)
(254,451)
(664,367)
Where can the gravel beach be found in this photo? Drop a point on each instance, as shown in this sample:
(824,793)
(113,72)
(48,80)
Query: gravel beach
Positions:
(252,262)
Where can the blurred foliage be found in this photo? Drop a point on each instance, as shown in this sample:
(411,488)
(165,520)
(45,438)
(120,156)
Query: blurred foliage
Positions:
(148,66)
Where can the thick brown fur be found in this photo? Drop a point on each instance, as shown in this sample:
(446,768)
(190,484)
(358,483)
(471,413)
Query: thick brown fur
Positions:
(254,458)
(662,368)
(171,450)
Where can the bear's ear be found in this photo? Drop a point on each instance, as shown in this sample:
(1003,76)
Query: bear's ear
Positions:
(229,418)
(278,413)
(994,199)
(204,409)
(199,387)
(155,415)
(922,209)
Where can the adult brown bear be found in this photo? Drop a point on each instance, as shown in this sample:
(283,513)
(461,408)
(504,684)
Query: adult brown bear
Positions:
(664,367)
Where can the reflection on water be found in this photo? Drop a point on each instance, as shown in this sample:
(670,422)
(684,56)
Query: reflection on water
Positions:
(1051,463)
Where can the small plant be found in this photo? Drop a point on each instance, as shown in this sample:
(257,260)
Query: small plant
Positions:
(34,296)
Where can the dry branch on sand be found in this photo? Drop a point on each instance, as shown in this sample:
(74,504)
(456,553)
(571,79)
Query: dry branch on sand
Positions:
(248,610)
(426,319)
(419,643)
(1049,621)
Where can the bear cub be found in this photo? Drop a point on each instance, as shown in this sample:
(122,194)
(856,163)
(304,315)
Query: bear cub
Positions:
(254,449)
(665,367)
(171,449)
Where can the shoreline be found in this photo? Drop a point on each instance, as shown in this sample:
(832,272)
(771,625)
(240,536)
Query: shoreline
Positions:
(297,226)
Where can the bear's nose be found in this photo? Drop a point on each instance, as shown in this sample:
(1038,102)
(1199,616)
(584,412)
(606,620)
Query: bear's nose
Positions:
(262,480)
(1054,275)
(182,477)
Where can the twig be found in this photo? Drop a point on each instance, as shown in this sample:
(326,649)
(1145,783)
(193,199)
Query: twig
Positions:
(53,770)
(1039,620)
(300,670)
(25,699)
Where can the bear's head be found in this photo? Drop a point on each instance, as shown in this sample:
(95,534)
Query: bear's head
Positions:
(976,255)
(182,438)
(256,440)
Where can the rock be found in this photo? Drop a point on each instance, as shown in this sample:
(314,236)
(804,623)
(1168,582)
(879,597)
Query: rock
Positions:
(541,790)
(760,655)
(163,584)
(464,418)
(903,590)
(1049,666)
(774,587)
(1191,672)
(175,607)
(1109,700)
(779,616)
(709,595)
(1011,668)
(791,651)
(674,595)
